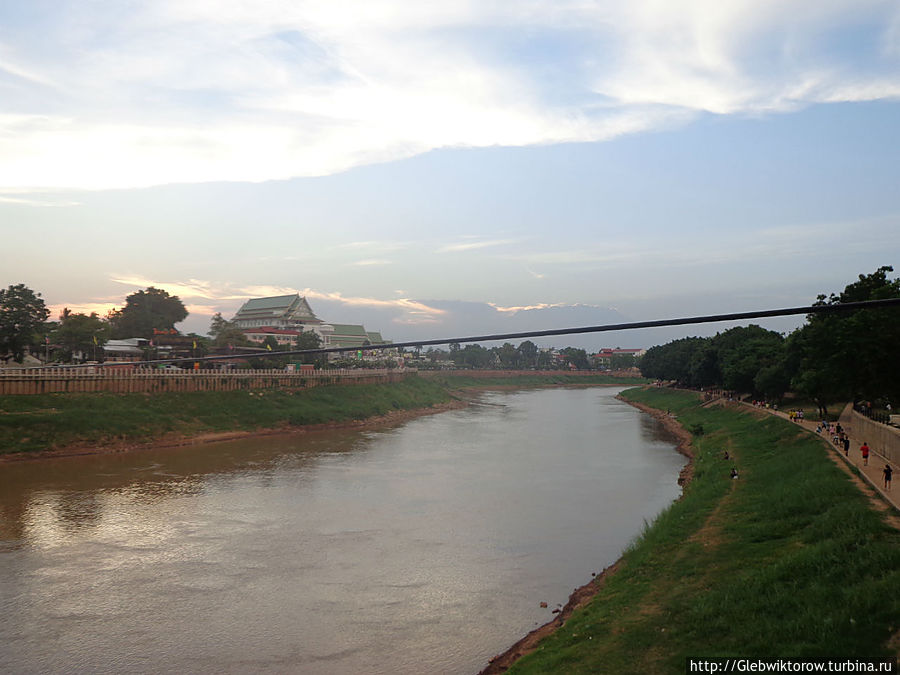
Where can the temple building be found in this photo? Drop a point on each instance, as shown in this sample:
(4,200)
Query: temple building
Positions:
(284,317)
(284,311)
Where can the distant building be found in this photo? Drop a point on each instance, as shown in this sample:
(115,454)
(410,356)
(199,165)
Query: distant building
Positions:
(356,336)
(349,335)
(129,349)
(283,311)
(284,317)
(282,336)
(604,357)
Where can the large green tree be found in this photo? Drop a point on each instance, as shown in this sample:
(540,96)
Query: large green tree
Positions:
(310,340)
(622,361)
(672,361)
(745,351)
(22,314)
(80,333)
(146,311)
(576,357)
(528,353)
(851,355)
(471,356)
(508,355)
(225,333)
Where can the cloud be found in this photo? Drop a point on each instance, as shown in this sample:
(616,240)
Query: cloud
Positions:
(100,308)
(372,261)
(202,310)
(191,288)
(191,91)
(524,308)
(414,311)
(34,200)
(411,311)
(475,245)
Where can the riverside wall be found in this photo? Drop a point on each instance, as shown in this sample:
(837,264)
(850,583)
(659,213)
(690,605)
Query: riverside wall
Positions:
(119,381)
(883,439)
(528,373)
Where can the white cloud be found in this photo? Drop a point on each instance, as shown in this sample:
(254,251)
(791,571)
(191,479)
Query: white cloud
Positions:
(370,262)
(99,308)
(34,201)
(523,308)
(411,311)
(475,245)
(105,95)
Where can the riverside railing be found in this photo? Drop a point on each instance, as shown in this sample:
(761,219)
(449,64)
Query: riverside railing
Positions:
(121,381)
(874,415)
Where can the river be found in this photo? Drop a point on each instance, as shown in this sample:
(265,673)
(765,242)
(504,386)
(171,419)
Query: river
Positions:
(425,547)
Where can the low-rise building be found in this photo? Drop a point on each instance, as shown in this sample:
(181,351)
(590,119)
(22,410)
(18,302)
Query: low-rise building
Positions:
(606,357)
(282,336)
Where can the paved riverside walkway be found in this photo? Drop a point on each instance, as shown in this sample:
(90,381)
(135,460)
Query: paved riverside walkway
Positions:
(872,473)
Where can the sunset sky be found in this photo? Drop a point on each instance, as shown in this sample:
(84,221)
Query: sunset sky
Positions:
(453,168)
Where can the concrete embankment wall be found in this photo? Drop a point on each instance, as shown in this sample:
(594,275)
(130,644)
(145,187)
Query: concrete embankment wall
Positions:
(883,439)
(528,373)
(135,382)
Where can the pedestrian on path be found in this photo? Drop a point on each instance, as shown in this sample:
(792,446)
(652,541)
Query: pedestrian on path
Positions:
(864,449)
(888,472)
(846,446)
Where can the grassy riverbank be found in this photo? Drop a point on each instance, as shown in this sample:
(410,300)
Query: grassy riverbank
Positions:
(36,423)
(788,561)
(50,421)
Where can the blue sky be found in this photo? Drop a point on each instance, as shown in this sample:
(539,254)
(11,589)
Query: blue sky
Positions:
(438,169)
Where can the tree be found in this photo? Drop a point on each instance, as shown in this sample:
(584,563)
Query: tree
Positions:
(621,361)
(146,311)
(544,359)
(471,356)
(309,340)
(576,357)
(80,333)
(22,313)
(270,343)
(508,356)
(672,361)
(851,355)
(528,353)
(704,366)
(225,333)
(743,352)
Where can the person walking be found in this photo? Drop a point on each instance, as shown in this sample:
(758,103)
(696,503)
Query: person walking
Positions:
(864,449)
(888,473)
(846,446)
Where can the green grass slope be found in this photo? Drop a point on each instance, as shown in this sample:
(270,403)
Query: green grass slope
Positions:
(45,422)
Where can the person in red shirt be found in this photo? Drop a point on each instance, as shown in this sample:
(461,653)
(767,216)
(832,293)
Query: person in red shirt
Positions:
(864,449)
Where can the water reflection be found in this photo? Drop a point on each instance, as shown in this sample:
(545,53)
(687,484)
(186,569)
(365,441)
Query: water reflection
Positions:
(422,548)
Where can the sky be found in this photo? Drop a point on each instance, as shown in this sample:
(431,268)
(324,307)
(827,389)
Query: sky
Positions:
(450,169)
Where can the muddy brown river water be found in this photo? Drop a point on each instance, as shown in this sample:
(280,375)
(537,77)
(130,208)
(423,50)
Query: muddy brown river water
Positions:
(426,547)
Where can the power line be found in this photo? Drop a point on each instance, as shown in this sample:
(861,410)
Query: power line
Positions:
(712,318)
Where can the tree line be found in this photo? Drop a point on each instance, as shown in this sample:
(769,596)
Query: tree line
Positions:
(24,324)
(833,357)
(150,314)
